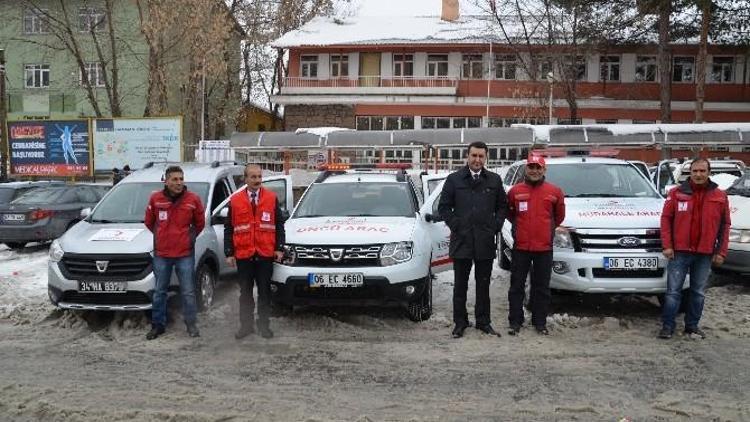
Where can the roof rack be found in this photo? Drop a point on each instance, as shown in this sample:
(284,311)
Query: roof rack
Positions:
(152,163)
(218,163)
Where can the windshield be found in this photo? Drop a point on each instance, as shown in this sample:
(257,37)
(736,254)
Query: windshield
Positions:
(597,180)
(48,195)
(127,201)
(356,199)
(740,186)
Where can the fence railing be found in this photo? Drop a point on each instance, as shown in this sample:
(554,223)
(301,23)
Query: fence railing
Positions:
(372,81)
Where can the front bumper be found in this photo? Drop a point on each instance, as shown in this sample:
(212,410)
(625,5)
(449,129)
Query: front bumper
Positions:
(64,294)
(586,274)
(738,259)
(376,291)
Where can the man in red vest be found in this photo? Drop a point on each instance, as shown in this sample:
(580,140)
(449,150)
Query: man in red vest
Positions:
(253,235)
(536,208)
(694,234)
(175,217)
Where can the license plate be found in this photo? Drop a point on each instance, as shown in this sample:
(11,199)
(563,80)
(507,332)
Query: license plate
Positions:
(335,279)
(102,287)
(630,263)
(14,217)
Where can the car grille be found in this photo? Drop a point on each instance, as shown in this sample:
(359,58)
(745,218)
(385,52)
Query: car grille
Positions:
(127,298)
(122,267)
(338,256)
(617,241)
(364,292)
(604,273)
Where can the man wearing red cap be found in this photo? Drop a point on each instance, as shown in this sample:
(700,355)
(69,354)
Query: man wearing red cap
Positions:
(536,208)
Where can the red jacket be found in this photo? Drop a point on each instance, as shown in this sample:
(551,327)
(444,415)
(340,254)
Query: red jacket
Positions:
(254,231)
(714,228)
(535,211)
(174,222)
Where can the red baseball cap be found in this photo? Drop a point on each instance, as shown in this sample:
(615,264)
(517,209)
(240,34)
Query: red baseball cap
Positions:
(535,159)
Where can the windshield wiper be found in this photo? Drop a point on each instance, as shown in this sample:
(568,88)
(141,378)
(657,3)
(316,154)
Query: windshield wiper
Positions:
(102,221)
(597,195)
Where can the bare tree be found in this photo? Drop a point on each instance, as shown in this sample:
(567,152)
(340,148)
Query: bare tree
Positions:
(74,36)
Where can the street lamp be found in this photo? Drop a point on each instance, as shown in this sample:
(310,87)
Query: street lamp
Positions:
(551,80)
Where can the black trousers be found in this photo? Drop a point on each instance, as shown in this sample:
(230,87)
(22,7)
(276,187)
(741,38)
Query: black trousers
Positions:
(482,273)
(540,264)
(255,271)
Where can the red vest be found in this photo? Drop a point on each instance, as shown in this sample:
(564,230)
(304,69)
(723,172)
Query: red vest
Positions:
(254,232)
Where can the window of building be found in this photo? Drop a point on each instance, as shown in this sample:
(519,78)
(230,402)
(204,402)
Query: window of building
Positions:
(437,65)
(35,21)
(508,121)
(385,122)
(37,75)
(569,121)
(94,74)
(722,70)
(575,69)
(505,67)
(609,67)
(645,69)
(436,122)
(544,64)
(606,121)
(472,66)
(403,65)
(339,65)
(91,18)
(683,69)
(309,66)
(643,122)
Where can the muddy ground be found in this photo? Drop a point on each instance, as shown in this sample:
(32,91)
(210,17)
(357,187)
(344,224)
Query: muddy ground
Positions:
(601,362)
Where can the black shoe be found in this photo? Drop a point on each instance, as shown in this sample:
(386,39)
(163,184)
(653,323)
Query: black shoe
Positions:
(695,333)
(514,330)
(487,329)
(192,330)
(244,331)
(542,330)
(665,334)
(459,329)
(266,332)
(154,333)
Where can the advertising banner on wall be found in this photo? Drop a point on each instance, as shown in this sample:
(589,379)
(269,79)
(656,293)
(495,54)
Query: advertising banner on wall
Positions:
(135,142)
(49,148)
(214,150)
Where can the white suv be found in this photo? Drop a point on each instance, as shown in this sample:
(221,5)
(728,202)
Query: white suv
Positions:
(611,242)
(359,237)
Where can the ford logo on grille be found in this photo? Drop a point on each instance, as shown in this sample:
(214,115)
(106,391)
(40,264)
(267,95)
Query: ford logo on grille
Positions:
(628,241)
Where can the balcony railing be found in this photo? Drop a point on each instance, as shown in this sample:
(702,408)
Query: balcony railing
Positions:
(371,85)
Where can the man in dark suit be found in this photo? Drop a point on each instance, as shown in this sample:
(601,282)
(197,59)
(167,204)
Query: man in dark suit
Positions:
(473,205)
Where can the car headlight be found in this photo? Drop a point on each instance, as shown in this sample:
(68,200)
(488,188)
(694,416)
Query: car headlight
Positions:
(739,236)
(55,251)
(562,238)
(395,253)
(290,256)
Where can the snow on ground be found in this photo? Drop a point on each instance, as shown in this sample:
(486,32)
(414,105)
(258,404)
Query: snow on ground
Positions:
(601,361)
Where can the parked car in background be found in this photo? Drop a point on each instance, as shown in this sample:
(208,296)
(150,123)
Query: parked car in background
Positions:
(46,212)
(12,190)
(738,258)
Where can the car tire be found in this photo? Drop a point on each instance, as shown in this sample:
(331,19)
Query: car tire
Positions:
(205,286)
(503,261)
(420,309)
(15,245)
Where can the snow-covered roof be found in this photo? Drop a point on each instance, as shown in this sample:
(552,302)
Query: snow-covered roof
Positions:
(321,131)
(368,30)
(665,132)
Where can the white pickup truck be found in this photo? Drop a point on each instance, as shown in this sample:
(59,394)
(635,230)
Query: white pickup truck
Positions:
(610,242)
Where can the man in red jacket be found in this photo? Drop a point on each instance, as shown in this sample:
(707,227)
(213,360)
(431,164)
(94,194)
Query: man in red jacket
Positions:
(175,217)
(536,208)
(694,234)
(253,235)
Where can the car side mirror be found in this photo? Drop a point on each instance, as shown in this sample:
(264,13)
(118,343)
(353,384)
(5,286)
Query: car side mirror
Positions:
(432,218)
(85,212)
(220,217)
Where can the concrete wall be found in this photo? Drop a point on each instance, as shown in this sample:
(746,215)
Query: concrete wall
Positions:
(337,115)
